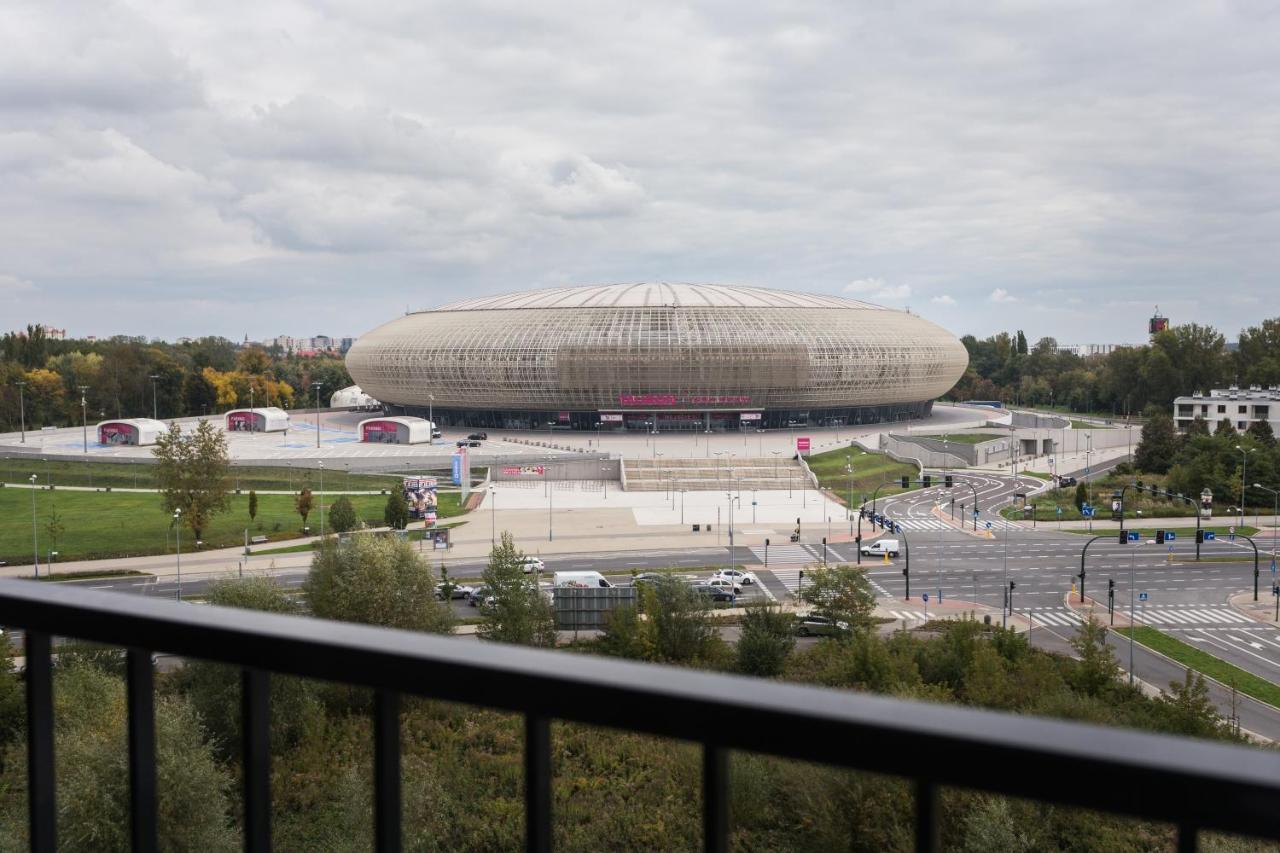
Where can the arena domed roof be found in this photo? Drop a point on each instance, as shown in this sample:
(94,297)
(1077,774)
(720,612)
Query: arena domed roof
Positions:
(656,295)
(679,351)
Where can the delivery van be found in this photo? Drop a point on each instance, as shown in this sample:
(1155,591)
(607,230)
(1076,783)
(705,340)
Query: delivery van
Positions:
(581,579)
(881,546)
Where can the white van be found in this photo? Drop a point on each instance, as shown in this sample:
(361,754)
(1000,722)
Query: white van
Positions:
(881,546)
(581,579)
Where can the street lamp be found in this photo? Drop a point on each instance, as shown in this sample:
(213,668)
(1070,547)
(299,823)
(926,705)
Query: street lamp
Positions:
(321,464)
(316,385)
(22,410)
(155,408)
(431,415)
(177,544)
(84,417)
(253,426)
(604,469)
(1244,467)
(493,515)
(1275,510)
(35,548)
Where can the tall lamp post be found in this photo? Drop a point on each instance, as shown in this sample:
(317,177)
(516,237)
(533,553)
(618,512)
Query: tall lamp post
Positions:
(431,415)
(177,544)
(316,385)
(35,548)
(493,515)
(84,417)
(321,464)
(155,407)
(1244,467)
(253,425)
(22,410)
(1275,510)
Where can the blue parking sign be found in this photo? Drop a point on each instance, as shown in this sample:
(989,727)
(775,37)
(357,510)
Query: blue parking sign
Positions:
(1209,536)
(1134,536)
(924,597)
(1170,535)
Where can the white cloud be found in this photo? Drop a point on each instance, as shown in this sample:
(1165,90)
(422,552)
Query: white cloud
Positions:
(944,299)
(876,290)
(1002,295)
(11,284)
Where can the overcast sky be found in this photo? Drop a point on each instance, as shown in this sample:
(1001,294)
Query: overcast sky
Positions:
(190,168)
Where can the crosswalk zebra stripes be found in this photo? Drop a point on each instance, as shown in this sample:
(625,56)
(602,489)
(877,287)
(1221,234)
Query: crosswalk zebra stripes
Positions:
(790,578)
(1152,616)
(939,524)
(789,553)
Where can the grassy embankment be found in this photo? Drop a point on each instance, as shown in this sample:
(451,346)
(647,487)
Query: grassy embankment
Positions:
(101,525)
(964,437)
(869,471)
(141,475)
(1201,661)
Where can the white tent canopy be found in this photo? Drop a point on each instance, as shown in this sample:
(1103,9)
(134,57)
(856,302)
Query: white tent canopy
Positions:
(352,397)
(136,431)
(269,419)
(395,430)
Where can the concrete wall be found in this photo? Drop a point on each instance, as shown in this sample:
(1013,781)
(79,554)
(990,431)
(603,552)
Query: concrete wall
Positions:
(921,453)
(1030,443)
(559,469)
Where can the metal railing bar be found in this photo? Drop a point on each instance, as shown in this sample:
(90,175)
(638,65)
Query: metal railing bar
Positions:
(928,839)
(1234,786)
(255,736)
(715,799)
(41,804)
(386,771)
(537,783)
(142,751)
(1187,840)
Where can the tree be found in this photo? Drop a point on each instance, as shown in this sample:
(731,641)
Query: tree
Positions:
(840,593)
(1097,670)
(253,505)
(1082,496)
(376,580)
(1158,445)
(1188,708)
(53,527)
(1225,429)
(1262,433)
(342,515)
(396,514)
(192,473)
(680,621)
(520,613)
(768,636)
(303,503)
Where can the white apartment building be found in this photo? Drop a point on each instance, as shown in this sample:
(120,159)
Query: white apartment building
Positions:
(1240,406)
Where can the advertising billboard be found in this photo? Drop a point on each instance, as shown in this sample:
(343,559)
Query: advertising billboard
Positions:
(802,444)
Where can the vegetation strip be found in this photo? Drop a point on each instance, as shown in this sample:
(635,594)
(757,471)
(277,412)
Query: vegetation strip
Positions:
(1214,667)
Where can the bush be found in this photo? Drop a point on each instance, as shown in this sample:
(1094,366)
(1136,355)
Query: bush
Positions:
(342,515)
(376,580)
(766,641)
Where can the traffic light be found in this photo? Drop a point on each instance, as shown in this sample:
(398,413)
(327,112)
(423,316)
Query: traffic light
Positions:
(906,481)
(1111,587)
(928,480)
(766,543)
(1199,537)
(949,480)
(1124,537)
(1159,536)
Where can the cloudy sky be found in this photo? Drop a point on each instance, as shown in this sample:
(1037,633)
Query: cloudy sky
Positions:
(188,168)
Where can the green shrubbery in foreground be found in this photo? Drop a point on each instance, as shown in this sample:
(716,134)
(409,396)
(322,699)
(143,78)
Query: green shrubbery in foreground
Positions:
(462,766)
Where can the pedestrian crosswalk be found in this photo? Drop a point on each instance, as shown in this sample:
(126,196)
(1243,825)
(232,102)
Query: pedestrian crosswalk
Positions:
(1157,616)
(940,524)
(788,553)
(790,578)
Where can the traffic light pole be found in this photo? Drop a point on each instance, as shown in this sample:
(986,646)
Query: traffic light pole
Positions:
(956,479)
(1082,574)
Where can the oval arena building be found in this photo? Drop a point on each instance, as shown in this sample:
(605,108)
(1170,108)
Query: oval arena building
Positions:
(658,356)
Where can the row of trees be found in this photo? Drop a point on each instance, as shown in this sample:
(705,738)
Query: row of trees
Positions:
(461,782)
(1216,457)
(197,377)
(1178,361)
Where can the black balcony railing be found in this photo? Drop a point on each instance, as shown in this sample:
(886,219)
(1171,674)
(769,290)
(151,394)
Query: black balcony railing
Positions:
(1189,783)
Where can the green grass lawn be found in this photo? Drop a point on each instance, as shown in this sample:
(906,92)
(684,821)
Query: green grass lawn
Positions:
(869,471)
(125,524)
(1046,504)
(964,437)
(1201,661)
(1089,425)
(141,475)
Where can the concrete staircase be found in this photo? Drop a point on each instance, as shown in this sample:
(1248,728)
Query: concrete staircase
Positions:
(704,475)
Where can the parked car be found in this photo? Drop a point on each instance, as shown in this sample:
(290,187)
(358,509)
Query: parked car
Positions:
(737,576)
(462,442)
(812,625)
(435,433)
(647,578)
(715,593)
(482,597)
(455,590)
(1066,481)
(479,436)
(533,564)
(473,444)
(725,583)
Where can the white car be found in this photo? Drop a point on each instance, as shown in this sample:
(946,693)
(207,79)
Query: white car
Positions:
(737,576)
(725,584)
(533,564)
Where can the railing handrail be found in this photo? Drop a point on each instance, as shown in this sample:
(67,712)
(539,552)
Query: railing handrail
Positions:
(1181,780)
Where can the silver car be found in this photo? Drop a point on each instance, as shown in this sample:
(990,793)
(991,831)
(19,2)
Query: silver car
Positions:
(813,625)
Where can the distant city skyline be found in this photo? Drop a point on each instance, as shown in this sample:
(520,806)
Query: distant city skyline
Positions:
(187,169)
